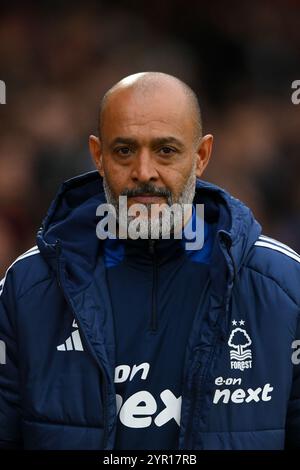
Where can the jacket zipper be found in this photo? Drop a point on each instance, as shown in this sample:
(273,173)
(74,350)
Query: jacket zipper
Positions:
(105,385)
(153,322)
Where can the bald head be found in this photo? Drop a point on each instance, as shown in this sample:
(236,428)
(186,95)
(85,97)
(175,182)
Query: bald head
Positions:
(154,86)
(151,141)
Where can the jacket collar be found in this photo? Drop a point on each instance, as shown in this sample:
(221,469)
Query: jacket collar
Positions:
(70,226)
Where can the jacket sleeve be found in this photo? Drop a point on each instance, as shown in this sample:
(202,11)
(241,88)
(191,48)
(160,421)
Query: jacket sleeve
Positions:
(293,416)
(10,415)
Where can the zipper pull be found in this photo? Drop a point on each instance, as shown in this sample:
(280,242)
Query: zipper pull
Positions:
(152,247)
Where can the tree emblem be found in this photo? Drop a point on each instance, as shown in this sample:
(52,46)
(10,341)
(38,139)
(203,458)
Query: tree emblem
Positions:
(239,339)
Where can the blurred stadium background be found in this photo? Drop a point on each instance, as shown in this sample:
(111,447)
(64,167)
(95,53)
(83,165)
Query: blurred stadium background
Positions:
(57,59)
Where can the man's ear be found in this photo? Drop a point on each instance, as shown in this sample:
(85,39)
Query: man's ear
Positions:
(203,154)
(96,153)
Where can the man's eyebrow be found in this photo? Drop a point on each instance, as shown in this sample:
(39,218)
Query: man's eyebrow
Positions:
(123,140)
(167,140)
(154,142)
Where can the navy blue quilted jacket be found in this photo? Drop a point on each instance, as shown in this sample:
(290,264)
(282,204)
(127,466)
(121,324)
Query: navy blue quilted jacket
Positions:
(241,373)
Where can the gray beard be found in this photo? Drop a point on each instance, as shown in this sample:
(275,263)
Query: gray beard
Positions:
(164,223)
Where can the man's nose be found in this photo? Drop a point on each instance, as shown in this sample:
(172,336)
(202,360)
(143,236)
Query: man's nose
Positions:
(143,167)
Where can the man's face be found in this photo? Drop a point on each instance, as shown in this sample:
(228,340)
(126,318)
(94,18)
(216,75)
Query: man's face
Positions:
(148,149)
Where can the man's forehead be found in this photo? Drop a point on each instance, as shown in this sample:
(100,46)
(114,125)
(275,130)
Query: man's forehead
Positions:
(128,108)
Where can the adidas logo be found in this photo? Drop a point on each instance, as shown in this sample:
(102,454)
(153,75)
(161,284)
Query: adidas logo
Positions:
(73,343)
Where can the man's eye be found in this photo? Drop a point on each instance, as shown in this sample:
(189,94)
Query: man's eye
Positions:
(124,151)
(167,150)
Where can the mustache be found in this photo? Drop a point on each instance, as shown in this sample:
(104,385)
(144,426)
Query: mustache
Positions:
(147,188)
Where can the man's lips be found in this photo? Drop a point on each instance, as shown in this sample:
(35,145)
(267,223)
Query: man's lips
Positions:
(147,199)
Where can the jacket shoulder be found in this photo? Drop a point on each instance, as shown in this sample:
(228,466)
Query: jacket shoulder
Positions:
(26,271)
(278,263)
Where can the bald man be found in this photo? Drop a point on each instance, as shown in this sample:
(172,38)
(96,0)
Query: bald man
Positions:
(133,326)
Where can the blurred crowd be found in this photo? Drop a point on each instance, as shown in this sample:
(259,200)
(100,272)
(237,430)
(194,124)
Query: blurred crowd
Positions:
(58,59)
